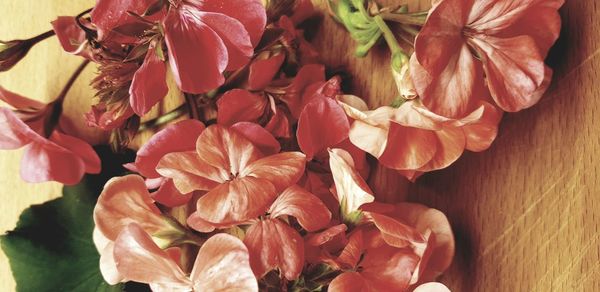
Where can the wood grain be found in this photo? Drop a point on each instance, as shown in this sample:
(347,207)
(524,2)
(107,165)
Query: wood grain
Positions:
(526,213)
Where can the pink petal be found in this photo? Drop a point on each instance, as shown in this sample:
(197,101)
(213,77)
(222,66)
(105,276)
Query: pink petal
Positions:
(189,173)
(178,137)
(310,212)
(481,133)
(71,37)
(250,13)
(139,259)
(430,220)
(149,85)
(223,264)
(108,266)
(353,251)
(441,37)
(282,170)
(20,102)
(233,35)
(261,138)
(198,56)
(394,232)
(14,133)
(80,149)
(274,244)
(432,287)
(262,71)
(515,70)
(313,136)
(452,91)
(196,222)
(352,190)
(227,150)
(45,161)
(168,195)
(349,282)
(236,201)
(109,14)
(409,148)
(125,200)
(307,75)
(450,146)
(388,268)
(239,105)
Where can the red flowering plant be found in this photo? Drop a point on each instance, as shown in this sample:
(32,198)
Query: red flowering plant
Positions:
(258,180)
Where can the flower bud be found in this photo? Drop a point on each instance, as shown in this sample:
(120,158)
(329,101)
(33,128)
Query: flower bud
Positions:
(12,52)
(401,73)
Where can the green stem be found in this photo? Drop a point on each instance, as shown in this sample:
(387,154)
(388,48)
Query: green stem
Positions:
(413,19)
(398,55)
(164,119)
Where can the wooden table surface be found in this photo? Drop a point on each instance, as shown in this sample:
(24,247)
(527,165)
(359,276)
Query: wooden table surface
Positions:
(526,213)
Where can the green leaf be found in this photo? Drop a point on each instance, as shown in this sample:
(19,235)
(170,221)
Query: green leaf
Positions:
(51,249)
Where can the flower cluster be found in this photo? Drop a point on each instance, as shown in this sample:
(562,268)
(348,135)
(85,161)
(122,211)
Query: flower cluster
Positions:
(264,187)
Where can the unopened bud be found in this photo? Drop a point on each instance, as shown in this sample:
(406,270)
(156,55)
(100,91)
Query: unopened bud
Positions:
(12,52)
(401,73)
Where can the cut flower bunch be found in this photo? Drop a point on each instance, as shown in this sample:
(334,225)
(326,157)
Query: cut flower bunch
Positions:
(263,178)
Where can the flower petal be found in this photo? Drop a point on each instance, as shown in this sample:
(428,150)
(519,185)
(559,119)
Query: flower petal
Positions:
(261,138)
(310,212)
(178,137)
(349,282)
(233,35)
(109,14)
(515,70)
(352,190)
(80,149)
(236,201)
(282,170)
(432,287)
(198,56)
(481,133)
(139,259)
(227,150)
(14,133)
(274,244)
(394,232)
(71,37)
(20,102)
(189,172)
(452,91)
(262,71)
(125,200)
(408,148)
(168,195)
(240,105)
(223,264)
(149,85)
(45,161)
(313,136)
(388,268)
(251,13)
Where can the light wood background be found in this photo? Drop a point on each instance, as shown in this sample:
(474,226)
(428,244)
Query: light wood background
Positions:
(526,213)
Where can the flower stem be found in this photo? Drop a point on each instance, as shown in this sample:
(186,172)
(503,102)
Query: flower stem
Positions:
(190,100)
(398,55)
(412,19)
(164,119)
(57,104)
(41,37)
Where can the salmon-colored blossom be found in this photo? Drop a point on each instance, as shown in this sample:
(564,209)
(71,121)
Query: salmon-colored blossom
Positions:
(241,182)
(50,155)
(222,264)
(275,244)
(510,39)
(414,140)
(123,201)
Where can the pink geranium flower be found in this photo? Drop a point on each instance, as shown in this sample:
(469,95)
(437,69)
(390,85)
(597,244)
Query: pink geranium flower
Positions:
(392,246)
(222,264)
(273,243)
(203,38)
(49,154)
(510,39)
(123,201)
(241,182)
(414,140)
